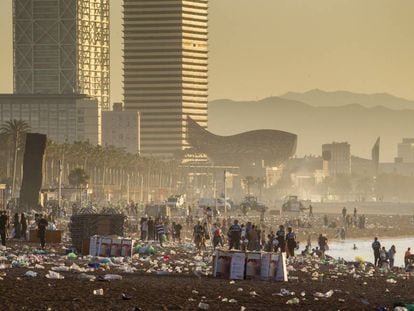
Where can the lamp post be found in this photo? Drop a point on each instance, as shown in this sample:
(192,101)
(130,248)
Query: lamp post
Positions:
(60,186)
(225,201)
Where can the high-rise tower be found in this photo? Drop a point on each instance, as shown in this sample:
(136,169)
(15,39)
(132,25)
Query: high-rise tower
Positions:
(165,70)
(62,47)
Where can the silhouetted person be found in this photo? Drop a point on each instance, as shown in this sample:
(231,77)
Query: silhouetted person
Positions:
(234,235)
(280,237)
(3,226)
(322,242)
(151,229)
(16,225)
(41,227)
(325,220)
(376,246)
(291,242)
(23,223)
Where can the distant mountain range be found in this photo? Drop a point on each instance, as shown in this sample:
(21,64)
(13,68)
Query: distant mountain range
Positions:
(317,123)
(341,98)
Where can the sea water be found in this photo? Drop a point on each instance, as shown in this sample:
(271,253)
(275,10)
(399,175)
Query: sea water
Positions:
(344,249)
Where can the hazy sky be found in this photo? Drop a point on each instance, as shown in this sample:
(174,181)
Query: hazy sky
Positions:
(267,47)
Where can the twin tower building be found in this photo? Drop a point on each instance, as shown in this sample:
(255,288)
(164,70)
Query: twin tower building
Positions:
(62,47)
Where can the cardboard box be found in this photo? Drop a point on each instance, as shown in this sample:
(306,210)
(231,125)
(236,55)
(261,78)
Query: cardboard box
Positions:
(253,265)
(105,247)
(116,247)
(94,243)
(127,247)
(86,247)
(281,273)
(265,273)
(237,266)
(223,262)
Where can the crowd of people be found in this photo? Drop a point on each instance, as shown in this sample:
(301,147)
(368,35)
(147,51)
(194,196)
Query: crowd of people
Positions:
(244,237)
(18,228)
(248,236)
(347,221)
(212,229)
(159,229)
(385,259)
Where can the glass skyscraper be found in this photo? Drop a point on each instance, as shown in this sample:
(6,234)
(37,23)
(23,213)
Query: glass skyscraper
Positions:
(62,47)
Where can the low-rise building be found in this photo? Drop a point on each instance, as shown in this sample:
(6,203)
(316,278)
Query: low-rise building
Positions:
(397,168)
(338,157)
(121,129)
(406,150)
(63,118)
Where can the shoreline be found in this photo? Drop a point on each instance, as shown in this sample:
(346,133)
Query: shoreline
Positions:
(400,237)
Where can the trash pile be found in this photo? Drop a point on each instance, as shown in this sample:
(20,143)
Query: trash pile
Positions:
(312,280)
(146,258)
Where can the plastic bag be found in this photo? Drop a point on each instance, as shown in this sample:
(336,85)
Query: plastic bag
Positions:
(54,275)
(112,277)
(31,274)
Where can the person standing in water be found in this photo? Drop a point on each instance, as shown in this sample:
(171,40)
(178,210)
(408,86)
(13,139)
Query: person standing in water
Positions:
(376,247)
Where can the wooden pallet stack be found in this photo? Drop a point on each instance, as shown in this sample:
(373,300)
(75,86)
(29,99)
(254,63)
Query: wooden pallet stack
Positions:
(84,225)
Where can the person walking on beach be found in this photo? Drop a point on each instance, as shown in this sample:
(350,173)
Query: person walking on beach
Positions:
(3,226)
(23,223)
(291,243)
(16,225)
(383,257)
(160,231)
(151,227)
(323,243)
(41,227)
(217,236)
(344,213)
(144,228)
(355,218)
(391,255)
(407,257)
(198,235)
(234,235)
(325,220)
(280,237)
(376,246)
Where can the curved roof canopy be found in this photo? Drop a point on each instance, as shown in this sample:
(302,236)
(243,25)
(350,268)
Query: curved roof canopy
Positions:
(271,146)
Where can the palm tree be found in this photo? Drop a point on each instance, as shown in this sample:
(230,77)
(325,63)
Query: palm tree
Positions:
(249,181)
(78,178)
(15,131)
(261,182)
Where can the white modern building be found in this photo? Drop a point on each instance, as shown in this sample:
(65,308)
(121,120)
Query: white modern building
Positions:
(63,118)
(165,70)
(121,129)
